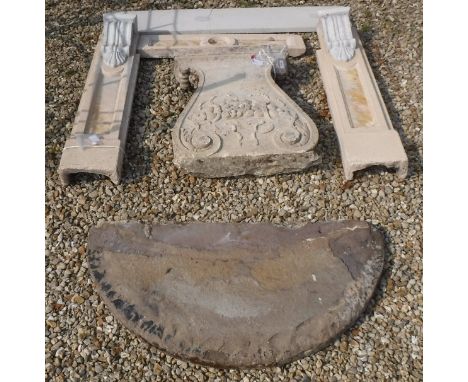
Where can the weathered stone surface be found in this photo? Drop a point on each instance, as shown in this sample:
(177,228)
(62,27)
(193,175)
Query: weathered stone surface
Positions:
(236,295)
(239,121)
(230,20)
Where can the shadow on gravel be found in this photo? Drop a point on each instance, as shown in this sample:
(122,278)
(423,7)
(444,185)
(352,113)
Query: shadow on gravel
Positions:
(138,155)
(411,147)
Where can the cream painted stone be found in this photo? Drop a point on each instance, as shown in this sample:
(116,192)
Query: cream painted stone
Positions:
(238,120)
(99,133)
(365,132)
(230,20)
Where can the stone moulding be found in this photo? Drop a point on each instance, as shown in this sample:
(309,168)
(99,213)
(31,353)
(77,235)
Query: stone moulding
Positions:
(236,295)
(362,124)
(99,132)
(103,113)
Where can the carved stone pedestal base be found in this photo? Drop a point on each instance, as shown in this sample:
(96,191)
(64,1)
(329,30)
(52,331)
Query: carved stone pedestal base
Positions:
(239,121)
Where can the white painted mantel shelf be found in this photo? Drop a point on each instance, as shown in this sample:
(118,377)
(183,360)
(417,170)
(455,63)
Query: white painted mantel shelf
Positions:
(238,120)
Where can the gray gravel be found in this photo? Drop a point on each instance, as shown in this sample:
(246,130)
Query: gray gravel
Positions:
(85,343)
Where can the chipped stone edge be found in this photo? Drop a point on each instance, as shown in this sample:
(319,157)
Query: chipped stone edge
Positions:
(362,289)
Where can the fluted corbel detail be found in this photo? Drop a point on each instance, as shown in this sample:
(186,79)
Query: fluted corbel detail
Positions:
(337,33)
(119,29)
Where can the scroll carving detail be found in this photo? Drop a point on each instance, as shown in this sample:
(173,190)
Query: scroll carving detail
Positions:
(247,119)
(239,121)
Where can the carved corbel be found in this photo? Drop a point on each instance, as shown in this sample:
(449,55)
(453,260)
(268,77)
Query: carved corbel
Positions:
(338,34)
(118,32)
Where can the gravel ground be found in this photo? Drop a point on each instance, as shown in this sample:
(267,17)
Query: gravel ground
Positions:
(85,343)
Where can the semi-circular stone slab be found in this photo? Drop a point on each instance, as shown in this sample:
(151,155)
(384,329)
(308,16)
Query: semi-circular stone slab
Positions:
(236,295)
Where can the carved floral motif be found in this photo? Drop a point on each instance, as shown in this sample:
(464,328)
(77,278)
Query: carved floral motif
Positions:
(247,119)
